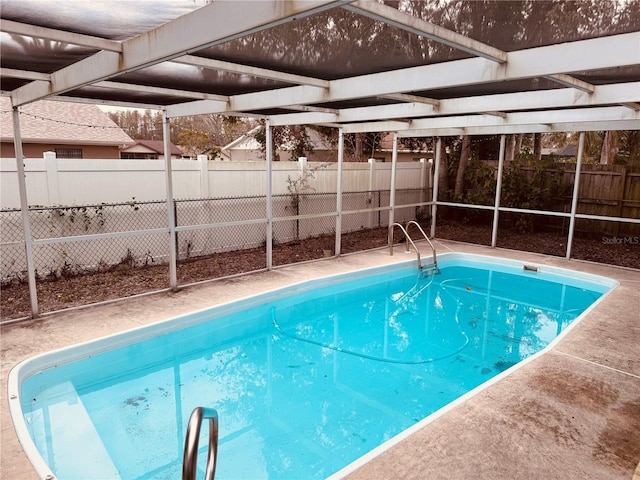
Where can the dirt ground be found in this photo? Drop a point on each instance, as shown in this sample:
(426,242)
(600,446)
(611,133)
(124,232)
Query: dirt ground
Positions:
(124,280)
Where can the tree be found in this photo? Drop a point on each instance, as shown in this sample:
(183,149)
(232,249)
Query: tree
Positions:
(443,173)
(609,148)
(140,125)
(196,142)
(294,139)
(362,146)
(465,156)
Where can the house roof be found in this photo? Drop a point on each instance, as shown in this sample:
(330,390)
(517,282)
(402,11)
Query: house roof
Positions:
(567,151)
(248,141)
(156,146)
(416,67)
(61,122)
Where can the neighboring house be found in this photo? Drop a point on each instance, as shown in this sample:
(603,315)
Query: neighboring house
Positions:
(71,130)
(567,152)
(247,148)
(150,150)
(385,151)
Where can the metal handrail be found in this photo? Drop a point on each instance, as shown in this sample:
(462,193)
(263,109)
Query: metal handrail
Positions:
(433,249)
(190,459)
(410,241)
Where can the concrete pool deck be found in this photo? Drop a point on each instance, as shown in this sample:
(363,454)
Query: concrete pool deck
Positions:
(571,413)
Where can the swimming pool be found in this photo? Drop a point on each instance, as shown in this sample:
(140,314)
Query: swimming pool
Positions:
(306,379)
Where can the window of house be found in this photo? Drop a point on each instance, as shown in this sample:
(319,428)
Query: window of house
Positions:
(138,156)
(68,153)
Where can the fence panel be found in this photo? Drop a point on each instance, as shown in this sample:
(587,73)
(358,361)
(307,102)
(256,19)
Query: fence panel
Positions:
(12,254)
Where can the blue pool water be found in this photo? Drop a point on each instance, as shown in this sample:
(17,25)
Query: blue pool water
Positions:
(305,380)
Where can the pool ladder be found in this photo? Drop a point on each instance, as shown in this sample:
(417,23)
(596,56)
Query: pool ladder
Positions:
(190,459)
(429,269)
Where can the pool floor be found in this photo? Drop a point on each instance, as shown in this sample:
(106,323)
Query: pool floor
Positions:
(563,415)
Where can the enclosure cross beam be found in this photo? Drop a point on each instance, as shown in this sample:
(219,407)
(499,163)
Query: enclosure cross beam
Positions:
(396,18)
(207,26)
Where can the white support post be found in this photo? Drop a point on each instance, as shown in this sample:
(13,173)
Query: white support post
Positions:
(574,199)
(204,176)
(24,208)
(372,169)
(339,193)
(434,193)
(173,256)
(269,159)
(423,178)
(392,190)
(53,185)
(496,205)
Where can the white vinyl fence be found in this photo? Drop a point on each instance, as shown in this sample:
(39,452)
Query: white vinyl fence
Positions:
(72,182)
(86,214)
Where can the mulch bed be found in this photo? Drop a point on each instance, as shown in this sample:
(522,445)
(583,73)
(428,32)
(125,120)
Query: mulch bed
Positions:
(125,280)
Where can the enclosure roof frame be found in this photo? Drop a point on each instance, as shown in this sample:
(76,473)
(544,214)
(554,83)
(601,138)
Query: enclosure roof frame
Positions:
(415,100)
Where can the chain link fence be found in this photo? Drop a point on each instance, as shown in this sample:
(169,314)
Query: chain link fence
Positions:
(97,237)
(215,238)
(13,260)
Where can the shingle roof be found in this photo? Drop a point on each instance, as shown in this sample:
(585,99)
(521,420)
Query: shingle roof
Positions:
(61,122)
(158,146)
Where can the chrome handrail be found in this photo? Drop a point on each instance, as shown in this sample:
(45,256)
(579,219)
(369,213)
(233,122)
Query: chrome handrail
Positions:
(190,459)
(433,249)
(408,241)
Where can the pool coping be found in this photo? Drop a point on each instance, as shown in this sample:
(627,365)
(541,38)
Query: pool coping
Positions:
(67,323)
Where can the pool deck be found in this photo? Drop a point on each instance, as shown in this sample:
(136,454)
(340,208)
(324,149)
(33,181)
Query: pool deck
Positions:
(571,413)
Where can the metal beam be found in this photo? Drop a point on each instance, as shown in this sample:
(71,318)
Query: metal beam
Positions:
(436,184)
(207,26)
(496,114)
(516,118)
(280,98)
(269,199)
(24,74)
(339,184)
(311,108)
(587,126)
(547,99)
(396,18)
(574,197)
(248,70)
(24,210)
(111,103)
(608,52)
(569,81)
(17,28)
(405,97)
(496,198)
(171,217)
(129,87)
